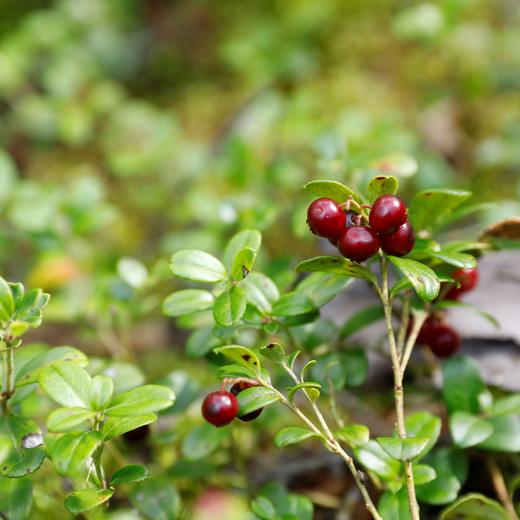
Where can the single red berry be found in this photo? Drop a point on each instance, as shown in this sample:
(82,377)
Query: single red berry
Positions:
(427,330)
(220,408)
(358,243)
(387,214)
(326,218)
(235,390)
(445,341)
(400,242)
(468,279)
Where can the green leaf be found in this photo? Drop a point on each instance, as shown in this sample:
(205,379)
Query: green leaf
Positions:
(263,508)
(380,185)
(28,312)
(240,355)
(291,358)
(247,238)
(261,292)
(424,425)
(292,435)
(197,266)
(468,430)
(230,306)
(141,400)
(86,499)
(66,419)
(130,473)
(23,439)
(321,288)
(66,383)
(310,387)
(377,460)
(394,506)
(354,434)
(475,507)
(203,440)
(101,392)
(505,436)
(336,265)
(70,454)
(354,365)
(187,302)
(16,498)
(461,260)
(293,304)
(116,426)
(422,474)
(332,190)
(274,352)
(423,279)
(506,405)
(243,263)
(402,449)
(201,342)
(255,398)
(156,499)
(431,208)
(6,302)
(28,373)
(462,385)
(362,319)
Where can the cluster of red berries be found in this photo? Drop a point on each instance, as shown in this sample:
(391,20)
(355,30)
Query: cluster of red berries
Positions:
(220,408)
(388,227)
(442,339)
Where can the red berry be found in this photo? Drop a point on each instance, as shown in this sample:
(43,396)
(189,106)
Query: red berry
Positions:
(235,390)
(351,219)
(220,408)
(358,243)
(468,279)
(400,242)
(387,214)
(326,218)
(427,330)
(445,341)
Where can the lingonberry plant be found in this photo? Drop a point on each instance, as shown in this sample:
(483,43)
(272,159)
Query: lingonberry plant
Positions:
(268,340)
(90,415)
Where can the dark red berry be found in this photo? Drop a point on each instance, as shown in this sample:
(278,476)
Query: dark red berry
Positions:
(220,408)
(400,242)
(468,279)
(387,214)
(358,243)
(427,330)
(235,390)
(445,341)
(326,218)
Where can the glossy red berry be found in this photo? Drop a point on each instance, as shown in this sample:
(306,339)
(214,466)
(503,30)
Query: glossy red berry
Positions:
(387,214)
(220,408)
(468,279)
(235,390)
(445,341)
(358,243)
(326,218)
(400,242)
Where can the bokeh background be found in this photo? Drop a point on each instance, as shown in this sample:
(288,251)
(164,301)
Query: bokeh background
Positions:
(134,128)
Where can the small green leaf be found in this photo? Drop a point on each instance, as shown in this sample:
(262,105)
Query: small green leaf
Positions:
(6,302)
(130,473)
(422,474)
(274,352)
(254,398)
(203,440)
(380,185)
(263,508)
(156,499)
(362,319)
(423,279)
(310,387)
(377,460)
(197,266)
(260,291)
(461,260)
(292,358)
(424,425)
(241,355)
(506,405)
(505,436)
(201,342)
(86,499)
(243,263)
(293,304)
(402,449)
(394,506)
(468,430)
(230,306)
(66,383)
(29,310)
(332,190)
(116,426)
(141,400)
(354,434)
(292,435)
(101,392)
(475,507)
(16,498)
(70,454)
(321,288)
(187,302)
(336,265)
(247,238)
(66,419)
